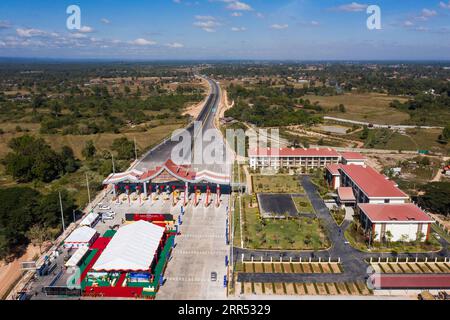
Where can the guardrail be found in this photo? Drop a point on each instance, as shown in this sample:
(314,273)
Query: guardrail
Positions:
(290,260)
(409,260)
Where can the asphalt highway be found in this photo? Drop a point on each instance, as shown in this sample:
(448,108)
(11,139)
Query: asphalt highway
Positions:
(162,152)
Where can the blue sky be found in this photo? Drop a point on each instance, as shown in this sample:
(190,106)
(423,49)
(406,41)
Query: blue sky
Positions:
(226,29)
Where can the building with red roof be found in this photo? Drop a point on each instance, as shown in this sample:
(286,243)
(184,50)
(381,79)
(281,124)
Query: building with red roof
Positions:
(168,175)
(277,158)
(346,196)
(370,186)
(404,222)
(353,158)
(333,175)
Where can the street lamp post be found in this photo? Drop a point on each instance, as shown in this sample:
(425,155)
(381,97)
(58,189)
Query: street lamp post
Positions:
(113,166)
(89,192)
(62,212)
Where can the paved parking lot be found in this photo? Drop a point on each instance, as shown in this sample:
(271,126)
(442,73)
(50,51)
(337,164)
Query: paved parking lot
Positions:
(276,205)
(200,249)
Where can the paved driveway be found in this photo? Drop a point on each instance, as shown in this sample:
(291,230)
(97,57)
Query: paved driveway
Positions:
(200,249)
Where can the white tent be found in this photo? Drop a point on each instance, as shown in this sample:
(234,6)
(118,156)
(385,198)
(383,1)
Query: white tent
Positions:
(80,237)
(76,257)
(90,219)
(132,248)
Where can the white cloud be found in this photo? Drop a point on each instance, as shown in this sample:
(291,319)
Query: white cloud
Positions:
(177,1)
(28,33)
(408,23)
(206,23)
(175,45)
(78,35)
(105,21)
(143,42)
(238,29)
(4,24)
(352,7)
(444,5)
(426,14)
(203,18)
(86,29)
(277,26)
(236,14)
(236,5)
(260,15)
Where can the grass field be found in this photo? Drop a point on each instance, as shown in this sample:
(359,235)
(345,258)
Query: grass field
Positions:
(276,184)
(412,140)
(370,107)
(302,233)
(102,141)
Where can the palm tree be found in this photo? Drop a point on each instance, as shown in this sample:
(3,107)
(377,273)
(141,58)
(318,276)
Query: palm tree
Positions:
(388,235)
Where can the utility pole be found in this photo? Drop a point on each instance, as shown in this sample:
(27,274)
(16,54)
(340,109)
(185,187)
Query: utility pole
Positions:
(89,192)
(135,150)
(62,212)
(73,214)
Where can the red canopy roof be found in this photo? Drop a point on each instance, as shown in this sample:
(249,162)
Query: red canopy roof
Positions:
(346,194)
(408,281)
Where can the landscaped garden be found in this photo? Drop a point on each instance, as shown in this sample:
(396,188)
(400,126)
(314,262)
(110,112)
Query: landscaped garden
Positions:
(357,240)
(302,233)
(338,215)
(276,184)
(302,204)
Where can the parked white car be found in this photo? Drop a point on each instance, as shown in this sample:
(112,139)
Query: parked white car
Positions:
(104,207)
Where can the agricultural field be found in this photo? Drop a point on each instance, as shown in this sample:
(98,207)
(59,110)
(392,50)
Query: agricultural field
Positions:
(371,107)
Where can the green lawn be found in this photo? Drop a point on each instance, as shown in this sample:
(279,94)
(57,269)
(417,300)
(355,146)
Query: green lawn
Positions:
(357,241)
(276,184)
(302,233)
(303,205)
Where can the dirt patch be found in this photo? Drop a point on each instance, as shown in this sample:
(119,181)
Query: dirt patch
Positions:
(11,272)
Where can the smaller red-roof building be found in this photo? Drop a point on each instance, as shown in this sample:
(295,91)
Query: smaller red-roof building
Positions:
(346,196)
(399,222)
(353,158)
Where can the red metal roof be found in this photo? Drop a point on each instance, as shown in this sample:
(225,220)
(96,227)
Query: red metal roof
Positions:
(411,281)
(291,152)
(346,194)
(334,169)
(392,213)
(372,183)
(352,156)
